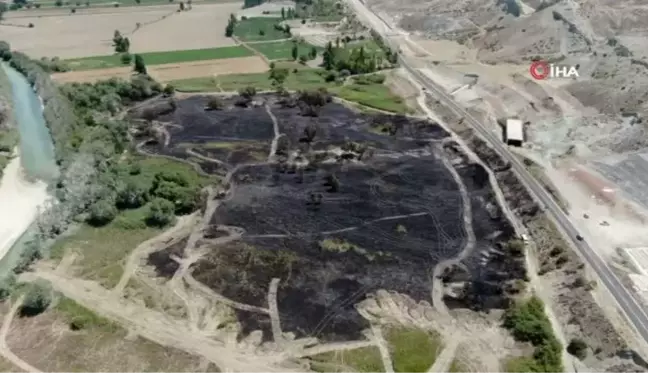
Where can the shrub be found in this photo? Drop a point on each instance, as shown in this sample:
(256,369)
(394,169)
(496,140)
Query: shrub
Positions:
(132,194)
(37,299)
(102,212)
(126,58)
(160,213)
(578,348)
(169,90)
(214,103)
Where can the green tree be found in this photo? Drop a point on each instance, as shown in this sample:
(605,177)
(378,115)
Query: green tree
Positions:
(328,57)
(278,77)
(313,53)
(160,213)
(295,51)
(287,30)
(102,212)
(283,13)
(140,66)
(229,29)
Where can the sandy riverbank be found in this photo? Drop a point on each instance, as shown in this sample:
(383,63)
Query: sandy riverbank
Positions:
(20,201)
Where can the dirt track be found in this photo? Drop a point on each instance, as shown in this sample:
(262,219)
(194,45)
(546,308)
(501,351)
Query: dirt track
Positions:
(174,71)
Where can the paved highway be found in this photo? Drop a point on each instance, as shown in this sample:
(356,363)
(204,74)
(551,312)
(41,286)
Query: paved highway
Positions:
(627,300)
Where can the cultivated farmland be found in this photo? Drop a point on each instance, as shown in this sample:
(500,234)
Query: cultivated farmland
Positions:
(89,33)
(159,58)
(170,72)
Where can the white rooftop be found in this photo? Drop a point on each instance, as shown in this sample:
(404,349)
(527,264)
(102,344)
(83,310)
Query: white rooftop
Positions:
(514,130)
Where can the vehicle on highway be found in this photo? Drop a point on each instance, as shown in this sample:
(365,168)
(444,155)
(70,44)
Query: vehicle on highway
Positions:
(579,237)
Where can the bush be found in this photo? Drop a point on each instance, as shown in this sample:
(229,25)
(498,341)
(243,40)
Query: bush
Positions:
(102,212)
(37,299)
(126,58)
(370,79)
(214,103)
(578,348)
(160,213)
(132,194)
(527,322)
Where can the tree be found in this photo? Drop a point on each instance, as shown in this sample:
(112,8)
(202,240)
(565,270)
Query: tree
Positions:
(160,213)
(287,31)
(311,101)
(73,10)
(295,51)
(58,3)
(140,66)
(278,77)
(309,133)
(303,59)
(102,212)
(313,53)
(3,8)
(578,348)
(332,183)
(181,6)
(229,29)
(283,13)
(328,57)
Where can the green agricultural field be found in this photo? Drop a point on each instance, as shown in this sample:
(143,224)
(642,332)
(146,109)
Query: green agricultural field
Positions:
(377,96)
(282,50)
(159,58)
(259,29)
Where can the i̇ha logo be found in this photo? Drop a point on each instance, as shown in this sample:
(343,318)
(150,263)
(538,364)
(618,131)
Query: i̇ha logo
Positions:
(542,70)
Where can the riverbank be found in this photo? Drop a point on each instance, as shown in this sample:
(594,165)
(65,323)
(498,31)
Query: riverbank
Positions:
(21,201)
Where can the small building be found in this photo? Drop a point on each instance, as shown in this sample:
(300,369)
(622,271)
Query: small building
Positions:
(514,132)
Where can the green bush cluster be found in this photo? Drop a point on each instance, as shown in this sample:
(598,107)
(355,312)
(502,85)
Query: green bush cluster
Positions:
(527,321)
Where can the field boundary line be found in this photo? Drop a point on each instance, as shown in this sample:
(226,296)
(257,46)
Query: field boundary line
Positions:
(245,45)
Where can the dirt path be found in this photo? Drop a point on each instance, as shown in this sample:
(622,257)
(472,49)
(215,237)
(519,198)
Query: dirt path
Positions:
(4,349)
(437,285)
(444,360)
(274,312)
(519,228)
(277,134)
(380,342)
(175,233)
(154,325)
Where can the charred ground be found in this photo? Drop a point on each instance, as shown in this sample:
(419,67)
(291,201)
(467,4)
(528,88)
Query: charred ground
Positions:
(348,204)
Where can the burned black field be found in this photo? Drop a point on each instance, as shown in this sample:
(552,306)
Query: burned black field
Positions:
(364,204)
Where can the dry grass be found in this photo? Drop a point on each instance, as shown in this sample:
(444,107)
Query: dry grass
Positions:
(47,342)
(162,29)
(170,72)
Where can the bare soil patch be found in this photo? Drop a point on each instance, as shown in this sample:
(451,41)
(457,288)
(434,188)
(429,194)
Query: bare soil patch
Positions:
(47,342)
(161,29)
(172,71)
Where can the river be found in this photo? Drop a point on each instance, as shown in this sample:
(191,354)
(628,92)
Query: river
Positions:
(23,188)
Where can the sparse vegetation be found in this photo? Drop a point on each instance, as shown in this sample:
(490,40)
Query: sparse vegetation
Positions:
(366,359)
(528,322)
(412,349)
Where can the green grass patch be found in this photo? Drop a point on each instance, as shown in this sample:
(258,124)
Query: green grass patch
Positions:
(80,317)
(259,29)
(104,249)
(365,359)
(411,349)
(151,166)
(376,96)
(282,50)
(160,58)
